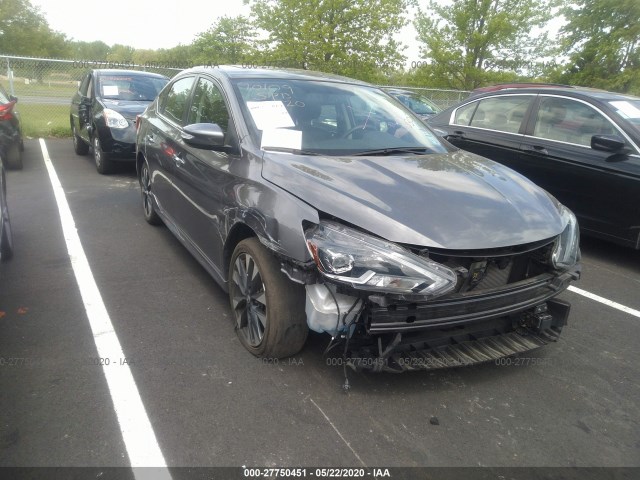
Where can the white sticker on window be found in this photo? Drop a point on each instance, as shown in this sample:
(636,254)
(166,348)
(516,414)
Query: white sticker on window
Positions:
(110,90)
(269,115)
(281,138)
(626,109)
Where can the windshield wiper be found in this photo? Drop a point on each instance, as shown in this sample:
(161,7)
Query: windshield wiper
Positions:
(295,151)
(393,151)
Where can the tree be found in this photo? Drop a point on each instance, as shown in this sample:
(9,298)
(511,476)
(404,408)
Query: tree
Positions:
(229,41)
(602,39)
(97,50)
(25,31)
(470,42)
(351,37)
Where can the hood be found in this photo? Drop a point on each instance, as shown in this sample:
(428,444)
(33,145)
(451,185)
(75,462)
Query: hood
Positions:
(453,201)
(126,108)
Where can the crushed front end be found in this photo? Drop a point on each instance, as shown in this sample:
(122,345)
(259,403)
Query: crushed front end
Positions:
(391,307)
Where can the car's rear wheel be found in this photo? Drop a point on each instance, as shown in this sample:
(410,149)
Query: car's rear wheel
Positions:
(268,309)
(103,164)
(14,157)
(148,207)
(6,241)
(79,145)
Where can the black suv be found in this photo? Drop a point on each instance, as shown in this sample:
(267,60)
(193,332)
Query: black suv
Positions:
(319,202)
(104,110)
(581,145)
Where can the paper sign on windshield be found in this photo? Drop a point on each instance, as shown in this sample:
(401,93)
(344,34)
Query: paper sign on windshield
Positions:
(110,90)
(271,114)
(281,138)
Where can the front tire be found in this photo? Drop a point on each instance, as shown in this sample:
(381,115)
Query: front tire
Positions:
(148,207)
(267,308)
(101,159)
(79,145)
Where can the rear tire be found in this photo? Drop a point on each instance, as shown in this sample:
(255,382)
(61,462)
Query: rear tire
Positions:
(148,206)
(14,157)
(268,309)
(101,159)
(6,242)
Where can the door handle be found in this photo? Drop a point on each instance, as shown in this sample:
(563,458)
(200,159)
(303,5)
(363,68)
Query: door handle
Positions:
(151,138)
(536,149)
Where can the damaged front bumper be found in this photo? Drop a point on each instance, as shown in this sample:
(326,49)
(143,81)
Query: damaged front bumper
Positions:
(457,330)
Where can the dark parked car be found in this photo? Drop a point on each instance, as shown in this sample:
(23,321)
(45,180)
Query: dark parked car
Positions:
(410,253)
(580,145)
(418,104)
(104,110)
(11,142)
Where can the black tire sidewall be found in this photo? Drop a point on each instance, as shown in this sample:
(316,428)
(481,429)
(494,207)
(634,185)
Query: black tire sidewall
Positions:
(286,327)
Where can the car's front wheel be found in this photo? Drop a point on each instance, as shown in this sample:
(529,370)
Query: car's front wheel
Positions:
(79,145)
(267,308)
(103,164)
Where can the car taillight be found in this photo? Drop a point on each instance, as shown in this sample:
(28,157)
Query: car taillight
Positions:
(6,111)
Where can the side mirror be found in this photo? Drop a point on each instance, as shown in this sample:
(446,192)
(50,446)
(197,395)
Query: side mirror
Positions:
(13,98)
(608,143)
(86,101)
(204,135)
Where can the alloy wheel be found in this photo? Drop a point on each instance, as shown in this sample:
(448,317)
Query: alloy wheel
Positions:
(249,299)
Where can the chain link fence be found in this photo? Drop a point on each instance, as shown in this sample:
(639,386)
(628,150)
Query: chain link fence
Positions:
(45,86)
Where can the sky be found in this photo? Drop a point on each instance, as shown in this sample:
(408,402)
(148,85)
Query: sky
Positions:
(150,24)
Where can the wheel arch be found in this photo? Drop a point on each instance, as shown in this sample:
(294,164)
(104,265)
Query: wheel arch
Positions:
(240,231)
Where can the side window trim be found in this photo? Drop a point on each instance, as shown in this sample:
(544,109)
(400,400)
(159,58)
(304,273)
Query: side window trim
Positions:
(534,117)
(162,105)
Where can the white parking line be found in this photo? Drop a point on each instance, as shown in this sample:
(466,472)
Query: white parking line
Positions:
(610,303)
(137,433)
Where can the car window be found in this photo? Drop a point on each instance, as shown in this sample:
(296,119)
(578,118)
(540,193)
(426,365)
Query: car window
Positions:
(503,113)
(568,120)
(85,85)
(332,118)
(208,105)
(417,104)
(629,110)
(130,87)
(174,102)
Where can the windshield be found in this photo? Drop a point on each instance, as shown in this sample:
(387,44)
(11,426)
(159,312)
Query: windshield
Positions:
(417,104)
(629,110)
(330,118)
(130,87)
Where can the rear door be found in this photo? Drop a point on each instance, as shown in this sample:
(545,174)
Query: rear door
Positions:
(492,127)
(600,187)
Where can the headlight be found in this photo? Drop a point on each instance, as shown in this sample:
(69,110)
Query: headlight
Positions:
(113,119)
(368,263)
(567,249)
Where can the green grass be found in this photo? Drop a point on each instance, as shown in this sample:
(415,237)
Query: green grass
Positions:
(43,120)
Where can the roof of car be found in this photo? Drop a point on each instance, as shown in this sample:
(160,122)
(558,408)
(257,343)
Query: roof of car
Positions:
(568,91)
(237,71)
(105,71)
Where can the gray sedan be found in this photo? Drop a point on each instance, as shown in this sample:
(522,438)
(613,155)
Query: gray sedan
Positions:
(318,202)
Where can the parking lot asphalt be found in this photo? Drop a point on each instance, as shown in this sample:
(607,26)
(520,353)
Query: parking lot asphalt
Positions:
(211,403)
